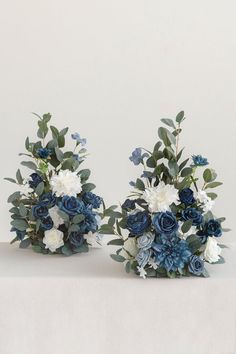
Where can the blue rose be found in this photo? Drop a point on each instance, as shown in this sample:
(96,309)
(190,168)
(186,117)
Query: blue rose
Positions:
(213,228)
(138,223)
(35,180)
(143,257)
(71,205)
(76,239)
(165,223)
(198,160)
(43,153)
(90,222)
(48,199)
(128,205)
(47,223)
(136,156)
(39,211)
(145,241)
(196,265)
(192,214)
(92,199)
(186,196)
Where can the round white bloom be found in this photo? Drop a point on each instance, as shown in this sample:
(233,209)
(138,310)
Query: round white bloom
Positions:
(191,231)
(57,220)
(212,251)
(93,239)
(206,201)
(53,239)
(130,246)
(25,189)
(66,183)
(161,197)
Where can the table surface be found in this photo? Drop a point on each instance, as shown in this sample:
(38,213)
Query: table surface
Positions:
(87,303)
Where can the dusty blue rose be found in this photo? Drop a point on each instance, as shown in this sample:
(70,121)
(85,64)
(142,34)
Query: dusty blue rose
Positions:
(213,228)
(192,214)
(143,257)
(145,241)
(71,205)
(40,211)
(196,265)
(165,223)
(48,199)
(138,222)
(92,199)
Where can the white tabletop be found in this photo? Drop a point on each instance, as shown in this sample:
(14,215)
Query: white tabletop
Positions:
(88,304)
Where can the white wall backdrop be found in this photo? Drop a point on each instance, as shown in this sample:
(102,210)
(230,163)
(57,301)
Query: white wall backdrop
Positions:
(109,70)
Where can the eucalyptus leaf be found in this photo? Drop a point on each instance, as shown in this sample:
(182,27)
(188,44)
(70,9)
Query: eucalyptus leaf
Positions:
(117,258)
(39,189)
(180,117)
(19,177)
(25,243)
(116,242)
(213,185)
(78,218)
(23,210)
(187,171)
(20,224)
(31,165)
(168,122)
(87,187)
(12,180)
(59,154)
(14,196)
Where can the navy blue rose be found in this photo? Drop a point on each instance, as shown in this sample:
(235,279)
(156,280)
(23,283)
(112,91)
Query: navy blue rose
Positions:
(47,223)
(76,239)
(90,222)
(92,199)
(192,214)
(138,223)
(39,211)
(35,180)
(71,205)
(43,153)
(165,223)
(213,228)
(128,205)
(198,160)
(196,265)
(186,196)
(48,199)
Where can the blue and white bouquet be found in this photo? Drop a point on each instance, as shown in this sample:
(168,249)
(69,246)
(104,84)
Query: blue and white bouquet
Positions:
(54,209)
(166,227)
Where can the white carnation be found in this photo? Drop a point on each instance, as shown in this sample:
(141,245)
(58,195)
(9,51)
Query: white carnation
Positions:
(53,239)
(161,197)
(66,183)
(212,251)
(207,202)
(57,220)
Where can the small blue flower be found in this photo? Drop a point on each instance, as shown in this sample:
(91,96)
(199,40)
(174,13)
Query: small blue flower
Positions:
(128,205)
(136,156)
(196,265)
(79,140)
(92,199)
(213,228)
(71,205)
(76,239)
(35,180)
(48,199)
(192,214)
(47,223)
(186,196)
(43,153)
(165,223)
(171,253)
(39,211)
(198,160)
(138,223)
(143,257)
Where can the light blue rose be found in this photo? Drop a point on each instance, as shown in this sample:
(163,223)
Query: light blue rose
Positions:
(145,241)
(143,257)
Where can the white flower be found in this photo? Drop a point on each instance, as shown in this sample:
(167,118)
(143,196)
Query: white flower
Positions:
(191,231)
(152,263)
(142,272)
(93,239)
(66,183)
(206,201)
(212,251)
(53,239)
(161,197)
(130,246)
(57,220)
(25,189)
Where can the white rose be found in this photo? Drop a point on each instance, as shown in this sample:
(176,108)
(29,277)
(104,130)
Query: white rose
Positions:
(212,251)
(57,220)
(161,197)
(131,247)
(53,239)
(66,183)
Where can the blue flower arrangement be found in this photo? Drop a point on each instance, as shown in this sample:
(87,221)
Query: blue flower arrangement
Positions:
(166,227)
(54,209)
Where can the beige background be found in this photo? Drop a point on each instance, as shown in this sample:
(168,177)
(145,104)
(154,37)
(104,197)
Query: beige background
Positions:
(109,70)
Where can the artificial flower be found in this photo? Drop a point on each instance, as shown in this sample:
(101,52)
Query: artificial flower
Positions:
(66,183)
(57,220)
(165,223)
(53,239)
(212,251)
(161,197)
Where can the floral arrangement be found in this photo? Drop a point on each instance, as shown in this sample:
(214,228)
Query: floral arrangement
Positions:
(166,227)
(54,209)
